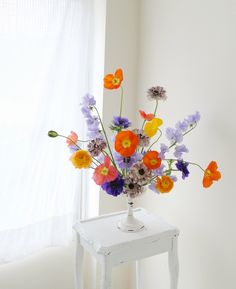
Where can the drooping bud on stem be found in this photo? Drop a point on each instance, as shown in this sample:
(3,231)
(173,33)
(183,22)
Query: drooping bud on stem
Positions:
(52,133)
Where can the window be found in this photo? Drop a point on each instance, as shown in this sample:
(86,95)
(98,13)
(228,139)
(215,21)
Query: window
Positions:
(46,61)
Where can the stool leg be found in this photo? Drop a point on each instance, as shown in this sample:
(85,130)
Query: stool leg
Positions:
(174,264)
(79,264)
(106,274)
(138,275)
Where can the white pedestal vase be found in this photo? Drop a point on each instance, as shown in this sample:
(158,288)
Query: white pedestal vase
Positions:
(130,224)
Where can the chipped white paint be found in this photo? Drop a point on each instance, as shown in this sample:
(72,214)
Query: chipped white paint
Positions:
(112,247)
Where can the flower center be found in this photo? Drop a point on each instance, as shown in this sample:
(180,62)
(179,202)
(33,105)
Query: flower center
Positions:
(126,143)
(127,160)
(104,171)
(207,173)
(131,186)
(165,184)
(115,81)
(141,172)
(153,162)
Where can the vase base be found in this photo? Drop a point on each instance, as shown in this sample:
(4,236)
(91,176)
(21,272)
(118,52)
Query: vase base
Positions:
(130,225)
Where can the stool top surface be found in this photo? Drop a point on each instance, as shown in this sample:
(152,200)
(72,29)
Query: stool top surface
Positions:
(102,232)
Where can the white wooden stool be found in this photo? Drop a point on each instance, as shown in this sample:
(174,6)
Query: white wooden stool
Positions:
(112,247)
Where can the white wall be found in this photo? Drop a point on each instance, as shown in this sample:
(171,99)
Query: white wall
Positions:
(189,48)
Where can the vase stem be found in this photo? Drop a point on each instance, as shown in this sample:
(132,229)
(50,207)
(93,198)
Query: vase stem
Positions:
(130,223)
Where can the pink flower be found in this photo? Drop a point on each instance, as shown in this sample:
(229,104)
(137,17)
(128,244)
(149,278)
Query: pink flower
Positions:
(72,139)
(105,172)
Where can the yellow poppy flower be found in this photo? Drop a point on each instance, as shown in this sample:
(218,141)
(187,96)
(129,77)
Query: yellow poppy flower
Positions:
(81,159)
(151,127)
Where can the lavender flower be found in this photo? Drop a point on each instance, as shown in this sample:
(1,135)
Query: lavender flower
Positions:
(115,187)
(127,162)
(194,118)
(144,140)
(174,178)
(156,93)
(163,149)
(73,148)
(121,122)
(174,135)
(182,125)
(86,112)
(88,100)
(182,166)
(93,128)
(96,146)
(153,188)
(179,150)
(159,171)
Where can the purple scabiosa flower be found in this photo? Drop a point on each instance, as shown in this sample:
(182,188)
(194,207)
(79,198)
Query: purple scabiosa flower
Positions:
(121,122)
(140,173)
(179,150)
(144,140)
(127,162)
(115,187)
(88,100)
(159,171)
(156,93)
(182,125)
(182,166)
(194,118)
(131,188)
(174,135)
(163,149)
(96,146)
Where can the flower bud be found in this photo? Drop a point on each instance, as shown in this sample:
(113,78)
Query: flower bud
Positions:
(52,133)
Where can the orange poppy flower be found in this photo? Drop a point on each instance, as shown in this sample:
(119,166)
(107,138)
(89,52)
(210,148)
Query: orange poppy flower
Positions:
(211,174)
(164,184)
(126,143)
(151,160)
(113,81)
(146,116)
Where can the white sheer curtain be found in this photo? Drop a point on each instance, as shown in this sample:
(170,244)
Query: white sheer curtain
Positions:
(45,59)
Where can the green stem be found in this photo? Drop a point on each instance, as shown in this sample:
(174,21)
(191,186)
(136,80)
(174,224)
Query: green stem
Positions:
(121,100)
(156,140)
(108,145)
(191,163)
(156,108)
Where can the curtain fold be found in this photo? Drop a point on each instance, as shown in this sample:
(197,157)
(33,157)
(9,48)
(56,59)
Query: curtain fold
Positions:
(45,63)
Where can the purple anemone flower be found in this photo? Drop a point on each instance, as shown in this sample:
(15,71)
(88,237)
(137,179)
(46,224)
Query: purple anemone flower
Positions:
(182,166)
(121,122)
(115,187)
(179,150)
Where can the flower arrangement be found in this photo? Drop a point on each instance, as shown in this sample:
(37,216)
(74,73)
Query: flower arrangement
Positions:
(136,159)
